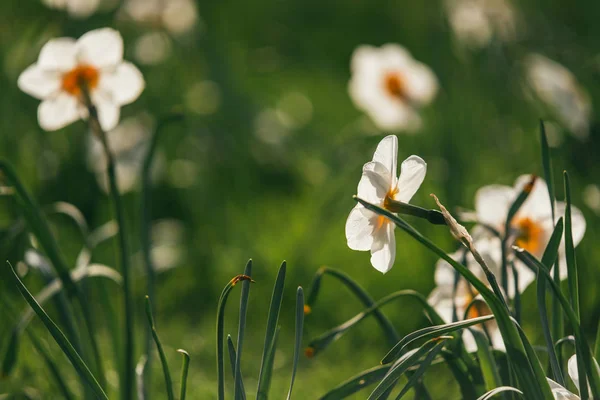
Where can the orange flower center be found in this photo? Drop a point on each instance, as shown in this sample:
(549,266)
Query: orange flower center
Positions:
(78,76)
(395,85)
(529,235)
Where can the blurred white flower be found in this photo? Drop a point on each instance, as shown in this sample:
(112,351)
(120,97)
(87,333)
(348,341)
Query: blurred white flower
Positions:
(476,22)
(453,294)
(75,8)
(167,244)
(532,226)
(128,143)
(591,197)
(176,16)
(152,48)
(558,88)
(391,86)
(65,64)
(366,230)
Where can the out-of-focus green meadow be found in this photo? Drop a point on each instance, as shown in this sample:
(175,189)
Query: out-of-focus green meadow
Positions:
(268,156)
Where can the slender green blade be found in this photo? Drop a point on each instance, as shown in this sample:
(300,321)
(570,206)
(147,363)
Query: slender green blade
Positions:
(402,365)
(185,366)
(549,257)
(355,289)
(270,362)
(220,332)
(161,353)
(274,309)
(237,384)
(491,376)
(433,216)
(323,341)
(298,341)
(582,347)
(66,346)
(232,358)
(357,383)
(570,250)
(499,390)
(428,333)
(414,379)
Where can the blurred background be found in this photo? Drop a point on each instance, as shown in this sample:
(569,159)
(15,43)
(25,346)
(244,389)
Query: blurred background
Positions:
(269,154)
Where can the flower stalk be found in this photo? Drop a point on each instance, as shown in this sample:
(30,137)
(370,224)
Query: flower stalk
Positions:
(128,379)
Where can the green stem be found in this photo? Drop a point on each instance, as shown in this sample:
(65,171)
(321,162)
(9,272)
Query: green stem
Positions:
(129,362)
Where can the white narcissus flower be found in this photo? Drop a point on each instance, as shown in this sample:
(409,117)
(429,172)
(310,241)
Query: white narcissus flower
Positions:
(65,64)
(559,392)
(365,230)
(476,22)
(453,294)
(556,86)
(391,86)
(75,8)
(532,226)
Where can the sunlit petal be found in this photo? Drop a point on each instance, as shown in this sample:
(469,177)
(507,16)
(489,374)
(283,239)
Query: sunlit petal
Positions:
(383,257)
(125,83)
(57,112)
(412,174)
(359,230)
(102,48)
(38,82)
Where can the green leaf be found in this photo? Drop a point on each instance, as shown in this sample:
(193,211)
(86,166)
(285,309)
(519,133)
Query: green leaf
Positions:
(358,291)
(161,353)
(583,350)
(357,383)
(490,373)
(232,358)
(185,366)
(514,345)
(298,340)
(323,341)
(432,216)
(270,360)
(413,380)
(237,384)
(430,332)
(498,390)
(274,309)
(403,364)
(220,329)
(549,258)
(61,339)
(570,250)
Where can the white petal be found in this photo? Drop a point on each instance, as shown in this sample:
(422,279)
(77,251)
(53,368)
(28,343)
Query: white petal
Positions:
(375,183)
(492,203)
(359,231)
(38,82)
(58,55)
(382,258)
(82,8)
(108,110)
(412,174)
(421,84)
(125,83)
(578,223)
(537,206)
(559,392)
(469,341)
(573,371)
(386,154)
(394,57)
(393,115)
(496,337)
(101,48)
(57,112)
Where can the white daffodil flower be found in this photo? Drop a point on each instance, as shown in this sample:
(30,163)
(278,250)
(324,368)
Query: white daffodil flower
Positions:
(176,16)
(75,8)
(366,230)
(390,86)
(65,65)
(476,22)
(453,294)
(532,226)
(558,88)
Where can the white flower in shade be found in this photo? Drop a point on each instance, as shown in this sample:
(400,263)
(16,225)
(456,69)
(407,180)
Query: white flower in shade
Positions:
(476,22)
(64,65)
(176,16)
(558,88)
(453,294)
(366,230)
(390,86)
(129,143)
(532,226)
(75,8)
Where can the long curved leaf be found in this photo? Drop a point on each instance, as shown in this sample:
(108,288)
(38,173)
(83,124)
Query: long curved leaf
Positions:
(498,390)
